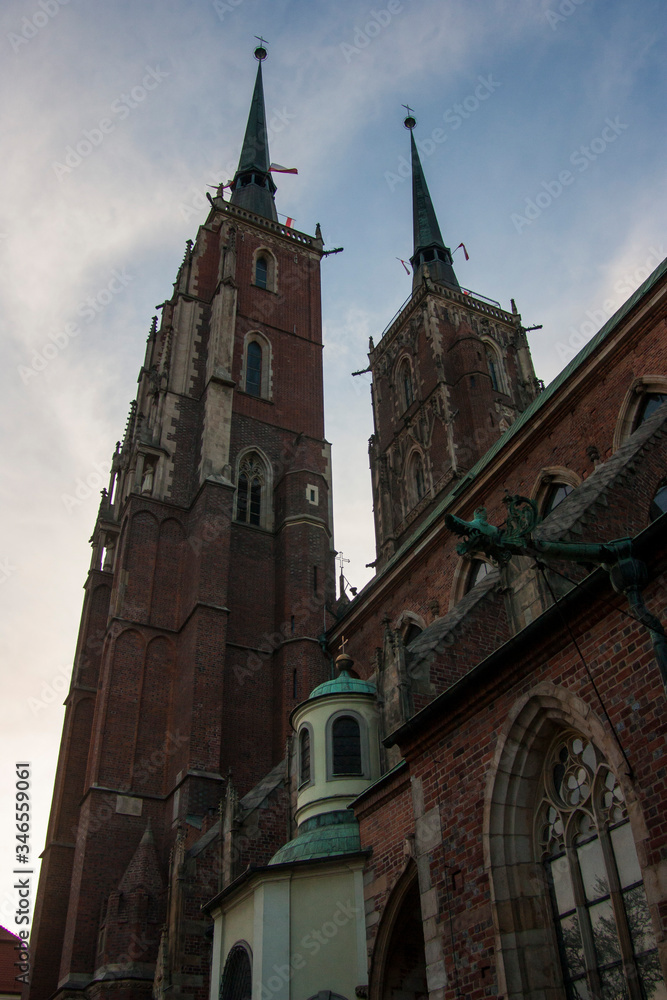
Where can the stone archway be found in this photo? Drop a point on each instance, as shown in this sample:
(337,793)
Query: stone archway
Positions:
(399,965)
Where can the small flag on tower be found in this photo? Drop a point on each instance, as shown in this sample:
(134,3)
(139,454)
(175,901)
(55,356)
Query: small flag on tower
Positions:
(276,168)
(289,223)
(405,264)
(462,245)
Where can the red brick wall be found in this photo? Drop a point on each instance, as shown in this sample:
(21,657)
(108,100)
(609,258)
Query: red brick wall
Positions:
(451,758)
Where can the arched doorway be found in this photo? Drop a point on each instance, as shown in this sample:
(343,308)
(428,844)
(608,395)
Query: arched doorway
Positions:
(399,965)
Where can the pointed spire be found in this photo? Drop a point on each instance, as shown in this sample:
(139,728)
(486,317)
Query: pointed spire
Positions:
(253,186)
(429,247)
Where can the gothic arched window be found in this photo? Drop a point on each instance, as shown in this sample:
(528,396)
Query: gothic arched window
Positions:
(346,746)
(405,380)
(555,495)
(479,568)
(416,479)
(645,394)
(253,370)
(236,981)
(261,272)
(650,402)
(251,481)
(658,503)
(603,926)
(495,366)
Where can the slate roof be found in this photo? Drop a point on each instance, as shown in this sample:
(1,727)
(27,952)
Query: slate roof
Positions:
(430,639)
(568,521)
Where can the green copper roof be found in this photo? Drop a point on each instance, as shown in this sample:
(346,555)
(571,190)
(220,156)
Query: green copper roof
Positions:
(253,185)
(345,683)
(425,223)
(323,836)
(427,235)
(255,152)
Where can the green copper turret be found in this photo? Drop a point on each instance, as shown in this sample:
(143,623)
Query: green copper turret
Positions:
(253,186)
(429,246)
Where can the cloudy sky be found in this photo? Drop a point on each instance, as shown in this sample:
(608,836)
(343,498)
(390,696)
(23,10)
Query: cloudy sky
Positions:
(542,129)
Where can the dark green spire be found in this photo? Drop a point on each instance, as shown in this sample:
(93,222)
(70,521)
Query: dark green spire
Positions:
(253,187)
(429,246)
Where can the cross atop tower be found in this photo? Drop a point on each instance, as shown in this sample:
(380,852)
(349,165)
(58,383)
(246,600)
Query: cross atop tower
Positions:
(260,51)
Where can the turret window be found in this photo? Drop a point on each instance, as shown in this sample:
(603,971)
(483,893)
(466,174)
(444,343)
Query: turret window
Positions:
(237,978)
(346,746)
(304,757)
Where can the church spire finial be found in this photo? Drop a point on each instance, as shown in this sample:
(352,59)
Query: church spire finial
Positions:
(429,247)
(253,186)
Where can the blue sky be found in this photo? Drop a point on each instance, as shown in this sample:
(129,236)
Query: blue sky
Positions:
(571,90)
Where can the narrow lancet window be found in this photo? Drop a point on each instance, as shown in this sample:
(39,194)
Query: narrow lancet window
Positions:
(253,377)
(304,757)
(261,272)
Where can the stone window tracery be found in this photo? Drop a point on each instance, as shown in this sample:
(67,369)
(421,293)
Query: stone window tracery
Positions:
(495,367)
(603,927)
(250,489)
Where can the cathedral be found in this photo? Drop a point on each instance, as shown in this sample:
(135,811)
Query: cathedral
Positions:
(452,784)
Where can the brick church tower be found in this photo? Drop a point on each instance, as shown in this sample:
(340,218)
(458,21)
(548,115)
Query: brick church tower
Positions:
(208,590)
(450,374)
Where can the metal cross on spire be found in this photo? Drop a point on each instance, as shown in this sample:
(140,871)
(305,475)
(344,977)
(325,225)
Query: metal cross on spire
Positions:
(260,51)
(343,644)
(342,560)
(409,121)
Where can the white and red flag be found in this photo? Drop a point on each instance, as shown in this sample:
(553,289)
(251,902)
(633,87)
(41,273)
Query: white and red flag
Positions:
(405,264)
(276,168)
(462,245)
